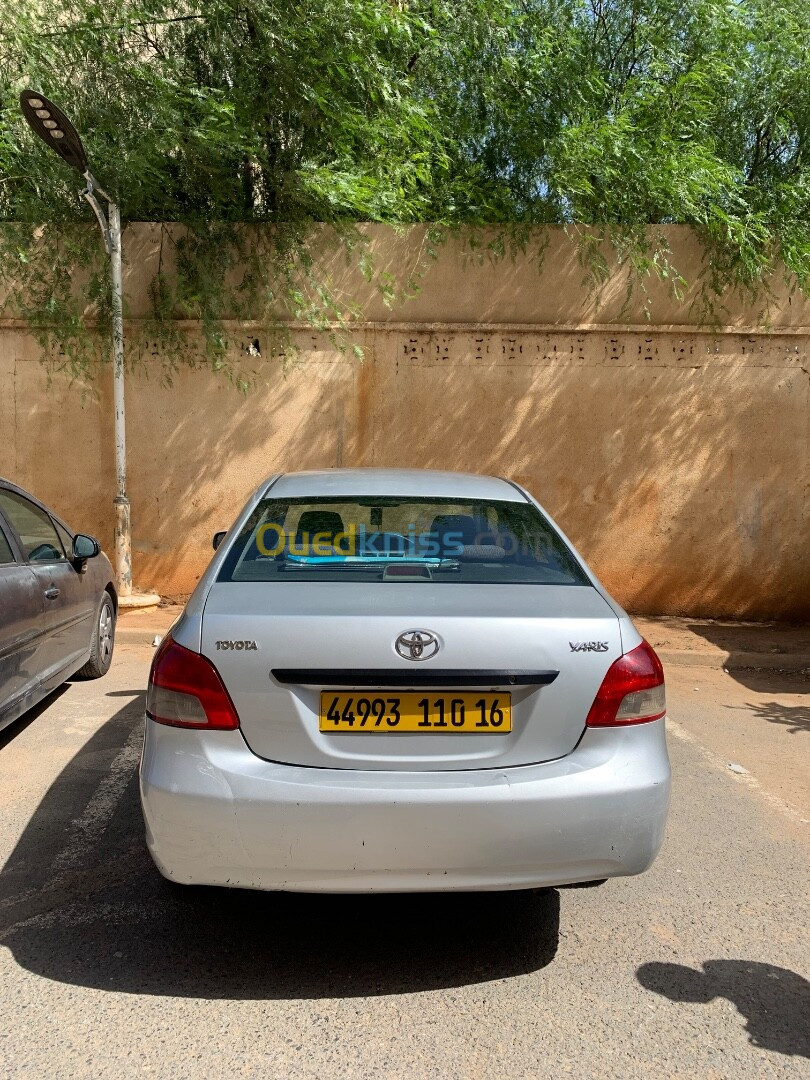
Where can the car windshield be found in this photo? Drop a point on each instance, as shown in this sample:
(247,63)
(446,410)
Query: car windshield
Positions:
(399,539)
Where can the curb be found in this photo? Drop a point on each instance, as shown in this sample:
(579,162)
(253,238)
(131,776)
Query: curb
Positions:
(137,635)
(795,663)
(138,601)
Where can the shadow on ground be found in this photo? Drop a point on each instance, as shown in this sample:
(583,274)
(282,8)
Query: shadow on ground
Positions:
(781,643)
(793,717)
(774,1001)
(9,733)
(111,922)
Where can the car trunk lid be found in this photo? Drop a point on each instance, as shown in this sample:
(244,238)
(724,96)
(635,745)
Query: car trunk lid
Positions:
(278,645)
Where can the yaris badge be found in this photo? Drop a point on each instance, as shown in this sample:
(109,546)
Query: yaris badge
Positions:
(588,646)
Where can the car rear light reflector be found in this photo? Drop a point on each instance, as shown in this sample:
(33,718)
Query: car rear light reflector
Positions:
(185,690)
(632,691)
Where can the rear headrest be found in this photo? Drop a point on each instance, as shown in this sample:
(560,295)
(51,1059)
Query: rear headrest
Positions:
(465,527)
(320,521)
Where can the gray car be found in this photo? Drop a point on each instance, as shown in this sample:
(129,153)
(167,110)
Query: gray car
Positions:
(396,680)
(58,603)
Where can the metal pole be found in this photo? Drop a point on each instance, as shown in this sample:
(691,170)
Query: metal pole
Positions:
(53,127)
(123,534)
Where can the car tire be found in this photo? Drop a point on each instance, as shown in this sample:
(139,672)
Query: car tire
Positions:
(103,641)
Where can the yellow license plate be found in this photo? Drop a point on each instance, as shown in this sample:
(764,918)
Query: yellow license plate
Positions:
(418,713)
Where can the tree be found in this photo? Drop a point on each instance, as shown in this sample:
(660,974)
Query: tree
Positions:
(618,114)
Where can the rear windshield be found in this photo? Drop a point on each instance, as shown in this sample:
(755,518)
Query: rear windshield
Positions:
(399,539)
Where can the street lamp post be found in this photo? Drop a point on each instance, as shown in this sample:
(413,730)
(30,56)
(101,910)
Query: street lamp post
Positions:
(54,128)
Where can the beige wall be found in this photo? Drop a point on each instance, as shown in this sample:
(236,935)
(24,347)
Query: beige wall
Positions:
(676,459)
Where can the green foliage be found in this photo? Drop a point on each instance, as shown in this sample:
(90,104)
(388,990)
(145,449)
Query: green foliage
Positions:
(224,114)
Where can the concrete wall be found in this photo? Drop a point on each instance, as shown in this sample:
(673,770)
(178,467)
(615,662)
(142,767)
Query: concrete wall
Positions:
(676,458)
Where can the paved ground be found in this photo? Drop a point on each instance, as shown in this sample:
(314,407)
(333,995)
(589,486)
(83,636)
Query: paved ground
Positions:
(693,970)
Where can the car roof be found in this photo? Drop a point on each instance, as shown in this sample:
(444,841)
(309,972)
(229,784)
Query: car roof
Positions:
(423,483)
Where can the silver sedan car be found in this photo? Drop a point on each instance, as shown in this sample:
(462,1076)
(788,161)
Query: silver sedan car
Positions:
(400,680)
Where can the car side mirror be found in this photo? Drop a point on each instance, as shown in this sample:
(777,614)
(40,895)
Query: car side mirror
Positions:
(218,538)
(84,547)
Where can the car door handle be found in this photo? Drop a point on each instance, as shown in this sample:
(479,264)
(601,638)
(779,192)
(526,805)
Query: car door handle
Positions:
(52,593)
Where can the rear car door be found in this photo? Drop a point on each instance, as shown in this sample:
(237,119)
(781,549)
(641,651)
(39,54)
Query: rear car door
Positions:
(22,634)
(68,601)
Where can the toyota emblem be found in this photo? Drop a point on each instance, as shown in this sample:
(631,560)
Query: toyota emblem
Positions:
(417,644)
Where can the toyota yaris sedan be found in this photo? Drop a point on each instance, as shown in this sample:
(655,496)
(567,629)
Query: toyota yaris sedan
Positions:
(396,680)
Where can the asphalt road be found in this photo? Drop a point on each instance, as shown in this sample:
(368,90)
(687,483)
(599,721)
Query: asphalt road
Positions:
(696,969)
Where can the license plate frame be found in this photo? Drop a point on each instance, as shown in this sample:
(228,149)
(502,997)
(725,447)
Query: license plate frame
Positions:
(405,713)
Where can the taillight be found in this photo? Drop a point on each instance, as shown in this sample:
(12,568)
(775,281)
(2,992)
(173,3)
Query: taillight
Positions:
(185,690)
(632,691)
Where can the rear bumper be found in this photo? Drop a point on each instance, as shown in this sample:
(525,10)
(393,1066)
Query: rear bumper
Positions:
(218,815)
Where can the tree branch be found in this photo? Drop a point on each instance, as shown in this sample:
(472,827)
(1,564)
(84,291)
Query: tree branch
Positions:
(81,27)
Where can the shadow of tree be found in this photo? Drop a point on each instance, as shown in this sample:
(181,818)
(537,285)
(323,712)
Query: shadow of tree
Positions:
(774,1001)
(794,717)
(664,456)
(618,446)
(113,923)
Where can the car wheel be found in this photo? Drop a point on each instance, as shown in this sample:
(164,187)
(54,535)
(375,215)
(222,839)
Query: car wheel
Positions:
(102,642)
